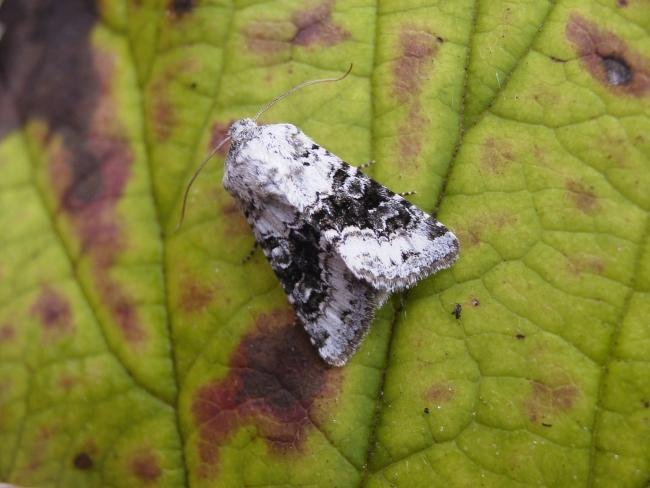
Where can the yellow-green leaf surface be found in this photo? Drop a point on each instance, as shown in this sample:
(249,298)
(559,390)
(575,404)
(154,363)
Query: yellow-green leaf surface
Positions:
(133,355)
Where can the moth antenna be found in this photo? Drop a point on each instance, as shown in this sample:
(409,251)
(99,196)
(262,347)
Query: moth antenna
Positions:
(194,176)
(298,87)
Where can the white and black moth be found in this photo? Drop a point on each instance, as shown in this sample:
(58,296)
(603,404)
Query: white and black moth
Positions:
(339,242)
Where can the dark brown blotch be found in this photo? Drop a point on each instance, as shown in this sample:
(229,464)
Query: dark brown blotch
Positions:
(608,57)
(275,379)
(179,8)
(83,461)
(52,73)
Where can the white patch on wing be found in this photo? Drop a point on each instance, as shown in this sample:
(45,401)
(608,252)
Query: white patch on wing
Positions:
(392,263)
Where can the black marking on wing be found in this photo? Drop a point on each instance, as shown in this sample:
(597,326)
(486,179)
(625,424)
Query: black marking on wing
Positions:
(295,260)
(359,201)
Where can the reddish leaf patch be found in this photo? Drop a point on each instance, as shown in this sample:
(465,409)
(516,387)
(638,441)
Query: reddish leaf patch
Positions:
(545,401)
(315,26)
(53,311)
(311,27)
(275,379)
(412,68)
(164,117)
(195,296)
(7,333)
(440,393)
(144,466)
(608,58)
(67,382)
(219,133)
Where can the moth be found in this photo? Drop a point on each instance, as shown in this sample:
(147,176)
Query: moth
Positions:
(339,242)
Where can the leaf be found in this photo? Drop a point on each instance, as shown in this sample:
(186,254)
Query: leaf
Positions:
(131,354)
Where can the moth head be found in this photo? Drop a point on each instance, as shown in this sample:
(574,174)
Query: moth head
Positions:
(242,129)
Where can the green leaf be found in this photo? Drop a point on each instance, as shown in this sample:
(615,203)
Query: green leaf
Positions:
(132,355)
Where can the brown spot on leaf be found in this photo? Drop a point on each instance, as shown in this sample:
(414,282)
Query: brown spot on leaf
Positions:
(53,310)
(219,133)
(67,382)
(164,116)
(51,73)
(267,37)
(144,465)
(608,57)
(179,8)
(414,64)
(412,68)
(195,296)
(440,393)
(545,401)
(163,113)
(315,26)
(622,3)
(39,447)
(583,197)
(586,264)
(473,235)
(475,302)
(496,155)
(83,461)
(7,333)
(520,337)
(275,379)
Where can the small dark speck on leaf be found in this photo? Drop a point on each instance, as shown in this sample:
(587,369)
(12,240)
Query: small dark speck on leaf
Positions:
(646,403)
(547,425)
(457,311)
(475,302)
(82,461)
(426,410)
(617,70)
(181,7)
(521,337)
